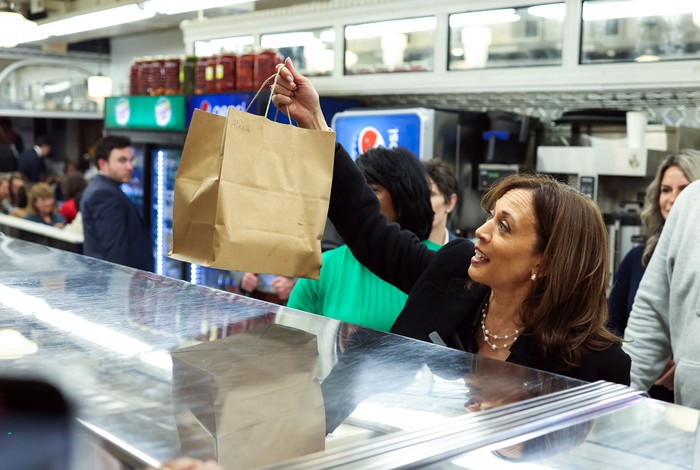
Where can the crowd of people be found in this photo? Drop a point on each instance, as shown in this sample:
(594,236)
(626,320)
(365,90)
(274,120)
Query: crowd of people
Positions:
(530,289)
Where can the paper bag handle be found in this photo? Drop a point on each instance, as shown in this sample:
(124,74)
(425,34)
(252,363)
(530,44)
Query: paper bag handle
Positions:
(275,76)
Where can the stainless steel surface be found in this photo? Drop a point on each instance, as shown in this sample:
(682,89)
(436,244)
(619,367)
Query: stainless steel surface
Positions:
(105,332)
(534,417)
(649,434)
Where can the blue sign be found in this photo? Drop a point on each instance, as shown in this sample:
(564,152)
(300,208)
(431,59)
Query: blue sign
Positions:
(363,131)
(218,104)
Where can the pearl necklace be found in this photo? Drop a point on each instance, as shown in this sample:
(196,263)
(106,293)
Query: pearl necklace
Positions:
(488,334)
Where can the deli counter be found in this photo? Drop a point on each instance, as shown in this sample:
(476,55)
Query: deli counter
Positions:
(157,368)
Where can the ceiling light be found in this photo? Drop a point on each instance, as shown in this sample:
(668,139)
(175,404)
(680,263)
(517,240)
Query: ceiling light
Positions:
(13,25)
(88,22)
(172,7)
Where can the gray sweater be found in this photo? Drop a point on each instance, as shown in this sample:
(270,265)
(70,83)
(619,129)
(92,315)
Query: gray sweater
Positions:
(665,318)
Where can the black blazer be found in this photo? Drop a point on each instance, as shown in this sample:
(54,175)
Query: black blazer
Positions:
(436,282)
(112,226)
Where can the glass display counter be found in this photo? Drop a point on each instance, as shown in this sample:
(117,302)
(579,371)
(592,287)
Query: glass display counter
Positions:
(159,368)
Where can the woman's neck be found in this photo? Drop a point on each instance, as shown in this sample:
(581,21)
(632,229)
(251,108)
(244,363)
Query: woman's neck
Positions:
(438,235)
(504,311)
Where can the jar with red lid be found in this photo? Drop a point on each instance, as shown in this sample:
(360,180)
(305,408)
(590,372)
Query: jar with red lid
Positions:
(171,75)
(245,71)
(226,72)
(200,80)
(154,76)
(143,87)
(187,74)
(210,75)
(265,66)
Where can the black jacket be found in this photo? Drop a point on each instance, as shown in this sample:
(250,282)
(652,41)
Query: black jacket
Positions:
(438,300)
(112,226)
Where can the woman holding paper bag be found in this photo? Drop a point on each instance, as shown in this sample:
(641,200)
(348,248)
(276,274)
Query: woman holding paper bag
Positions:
(532,290)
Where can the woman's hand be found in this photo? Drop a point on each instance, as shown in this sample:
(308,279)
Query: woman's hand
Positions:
(187,463)
(294,94)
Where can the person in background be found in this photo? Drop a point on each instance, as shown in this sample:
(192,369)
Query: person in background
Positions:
(73,186)
(42,206)
(31,162)
(8,159)
(348,291)
(15,140)
(672,176)
(532,289)
(4,192)
(112,226)
(443,197)
(664,321)
(21,209)
(18,193)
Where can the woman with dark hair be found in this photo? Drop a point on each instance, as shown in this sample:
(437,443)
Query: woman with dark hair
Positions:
(348,291)
(443,197)
(73,186)
(532,289)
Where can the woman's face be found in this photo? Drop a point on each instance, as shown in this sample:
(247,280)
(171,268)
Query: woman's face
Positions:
(44,205)
(440,207)
(385,202)
(17,183)
(505,250)
(4,189)
(672,183)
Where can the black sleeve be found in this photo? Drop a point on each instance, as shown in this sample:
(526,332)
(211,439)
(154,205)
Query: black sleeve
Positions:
(395,255)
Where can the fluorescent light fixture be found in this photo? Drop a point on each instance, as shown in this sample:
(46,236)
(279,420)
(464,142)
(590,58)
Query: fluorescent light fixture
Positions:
(553,11)
(13,25)
(596,11)
(373,30)
(88,22)
(484,18)
(172,7)
(99,86)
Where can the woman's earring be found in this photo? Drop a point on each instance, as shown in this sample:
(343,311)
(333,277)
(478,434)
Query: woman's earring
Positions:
(533,278)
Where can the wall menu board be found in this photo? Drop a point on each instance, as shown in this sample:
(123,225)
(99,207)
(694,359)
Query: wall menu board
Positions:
(165,113)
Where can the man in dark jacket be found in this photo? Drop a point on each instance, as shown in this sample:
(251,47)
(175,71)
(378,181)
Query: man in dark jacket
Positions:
(113,228)
(31,162)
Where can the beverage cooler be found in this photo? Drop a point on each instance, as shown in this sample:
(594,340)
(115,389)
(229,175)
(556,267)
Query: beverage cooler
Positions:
(428,133)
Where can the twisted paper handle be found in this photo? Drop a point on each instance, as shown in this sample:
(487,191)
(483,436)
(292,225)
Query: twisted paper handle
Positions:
(267,80)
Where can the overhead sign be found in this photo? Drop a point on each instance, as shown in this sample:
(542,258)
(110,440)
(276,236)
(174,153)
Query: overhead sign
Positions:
(145,112)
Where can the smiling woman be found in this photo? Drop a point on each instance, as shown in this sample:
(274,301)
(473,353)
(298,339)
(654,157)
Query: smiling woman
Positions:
(533,292)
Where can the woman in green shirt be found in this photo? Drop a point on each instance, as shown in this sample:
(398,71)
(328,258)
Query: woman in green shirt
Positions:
(348,291)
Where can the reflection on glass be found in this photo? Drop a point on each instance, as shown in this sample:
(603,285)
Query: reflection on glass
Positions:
(640,30)
(312,51)
(238,45)
(390,46)
(507,37)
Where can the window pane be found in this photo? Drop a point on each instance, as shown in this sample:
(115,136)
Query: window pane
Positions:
(508,37)
(312,51)
(236,45)
(390,46)
(640,30)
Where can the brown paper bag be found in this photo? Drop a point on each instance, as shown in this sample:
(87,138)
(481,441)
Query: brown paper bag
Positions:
(252,195)
(251,399)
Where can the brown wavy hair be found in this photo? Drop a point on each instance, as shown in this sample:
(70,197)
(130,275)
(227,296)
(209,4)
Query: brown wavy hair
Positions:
(39,191)
(688,161)
(567,311)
